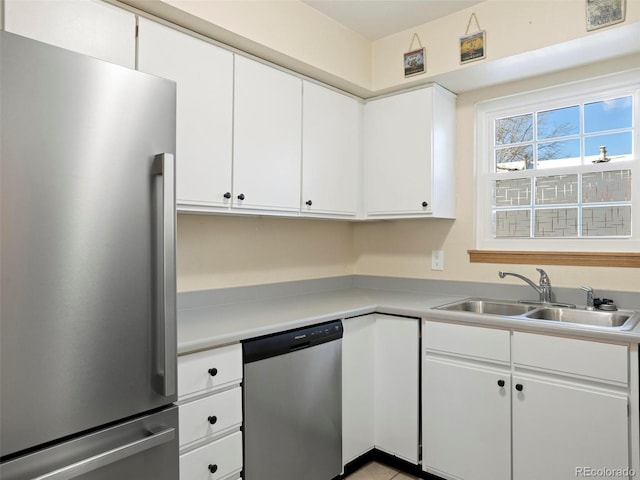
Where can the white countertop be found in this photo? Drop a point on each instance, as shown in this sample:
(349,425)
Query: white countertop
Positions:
(207,327)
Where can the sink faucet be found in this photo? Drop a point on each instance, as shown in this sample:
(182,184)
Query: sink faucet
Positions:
(589,290)
(544,287)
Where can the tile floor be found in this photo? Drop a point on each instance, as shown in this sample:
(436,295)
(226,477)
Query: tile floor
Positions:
(377,471)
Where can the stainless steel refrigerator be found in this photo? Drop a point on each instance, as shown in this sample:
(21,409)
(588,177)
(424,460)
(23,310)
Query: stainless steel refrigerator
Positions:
(87,266)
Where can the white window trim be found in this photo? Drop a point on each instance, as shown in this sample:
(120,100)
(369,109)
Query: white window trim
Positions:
(615,85)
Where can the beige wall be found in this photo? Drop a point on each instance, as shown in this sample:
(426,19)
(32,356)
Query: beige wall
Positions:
(403,248)
(222,251)
(512,26)
(298,37)
(226,251)
(286,32)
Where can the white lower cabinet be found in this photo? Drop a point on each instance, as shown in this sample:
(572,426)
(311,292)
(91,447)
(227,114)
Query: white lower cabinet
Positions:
(570,402)
(547,407)
(380,362)
(358,376)
(466,438)
(466,402)
(563,430)
(210,412)
(217,460)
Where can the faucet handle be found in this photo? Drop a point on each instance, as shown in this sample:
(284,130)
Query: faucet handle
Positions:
(590,302)
(544,278)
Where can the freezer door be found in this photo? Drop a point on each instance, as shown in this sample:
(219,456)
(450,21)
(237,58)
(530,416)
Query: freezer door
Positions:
(141,449)
(87,292)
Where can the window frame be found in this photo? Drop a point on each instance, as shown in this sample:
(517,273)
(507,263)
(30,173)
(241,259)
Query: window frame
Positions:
(585,91)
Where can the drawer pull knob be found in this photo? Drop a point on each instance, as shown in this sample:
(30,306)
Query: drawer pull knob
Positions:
(213,468)
(212,419)
(227,195)
(241,196)
(519,387)
(501,383)
(425,204)
(213,372)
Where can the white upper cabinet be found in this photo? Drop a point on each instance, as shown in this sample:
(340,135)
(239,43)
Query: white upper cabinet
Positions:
(204,78)
(89,27)
(331,139)
(409,154)
(267,138)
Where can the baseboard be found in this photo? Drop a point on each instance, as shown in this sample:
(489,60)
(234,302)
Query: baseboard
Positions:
(375,455)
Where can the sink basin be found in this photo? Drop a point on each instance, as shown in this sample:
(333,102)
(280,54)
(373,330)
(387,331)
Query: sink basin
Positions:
(619,319)
(489,307)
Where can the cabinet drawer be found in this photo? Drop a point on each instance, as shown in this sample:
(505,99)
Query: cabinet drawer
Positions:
(207,371)
(603,361)
(478,342)
(209,416)
(213,461)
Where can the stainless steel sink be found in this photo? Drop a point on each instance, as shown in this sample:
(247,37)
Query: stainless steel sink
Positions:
(619,319)
(489,307)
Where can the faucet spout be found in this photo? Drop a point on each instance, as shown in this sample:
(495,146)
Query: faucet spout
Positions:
(543,288)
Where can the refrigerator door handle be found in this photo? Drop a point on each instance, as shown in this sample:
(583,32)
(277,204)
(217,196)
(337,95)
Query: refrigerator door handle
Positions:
(164,166)
(110,456)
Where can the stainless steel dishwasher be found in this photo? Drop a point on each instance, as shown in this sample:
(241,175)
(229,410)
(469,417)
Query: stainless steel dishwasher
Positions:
(293,404)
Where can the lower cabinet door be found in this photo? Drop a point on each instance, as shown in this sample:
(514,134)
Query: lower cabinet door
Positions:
(213,461)
(561,430)
(396,386)
(466,421)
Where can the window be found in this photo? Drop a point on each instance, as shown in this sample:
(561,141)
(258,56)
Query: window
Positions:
(557,169)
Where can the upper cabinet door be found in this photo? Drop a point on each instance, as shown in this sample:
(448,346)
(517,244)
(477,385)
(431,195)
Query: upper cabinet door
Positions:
(397,153)
(330,151)
(409,154)
(204,78)
(267,137)
(89,27)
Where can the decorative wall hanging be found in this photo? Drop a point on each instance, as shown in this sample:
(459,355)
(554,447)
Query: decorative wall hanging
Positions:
(602,13)
(473,46)
(415,60)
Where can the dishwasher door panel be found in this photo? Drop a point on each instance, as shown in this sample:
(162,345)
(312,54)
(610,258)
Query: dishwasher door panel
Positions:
(293,415)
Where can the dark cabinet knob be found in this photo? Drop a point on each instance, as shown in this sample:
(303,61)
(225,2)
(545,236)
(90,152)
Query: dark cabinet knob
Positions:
(213,468)
(212,419)
(308,202)
(241,196)
(501,383)
(519,387)
(213,372)
(227,195)
(425,204)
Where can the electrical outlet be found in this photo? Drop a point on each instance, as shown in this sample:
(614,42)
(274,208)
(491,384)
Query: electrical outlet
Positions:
(437,260)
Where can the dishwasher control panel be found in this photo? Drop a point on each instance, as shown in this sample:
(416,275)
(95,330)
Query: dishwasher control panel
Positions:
(291,340)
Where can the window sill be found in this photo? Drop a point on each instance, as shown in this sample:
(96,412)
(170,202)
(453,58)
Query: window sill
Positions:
(587,259)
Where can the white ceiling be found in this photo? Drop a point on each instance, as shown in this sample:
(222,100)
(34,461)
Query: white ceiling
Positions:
(375,19)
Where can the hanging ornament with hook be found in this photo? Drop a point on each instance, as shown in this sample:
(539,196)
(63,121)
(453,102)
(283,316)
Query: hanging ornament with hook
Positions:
(415,60)
(473,46)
